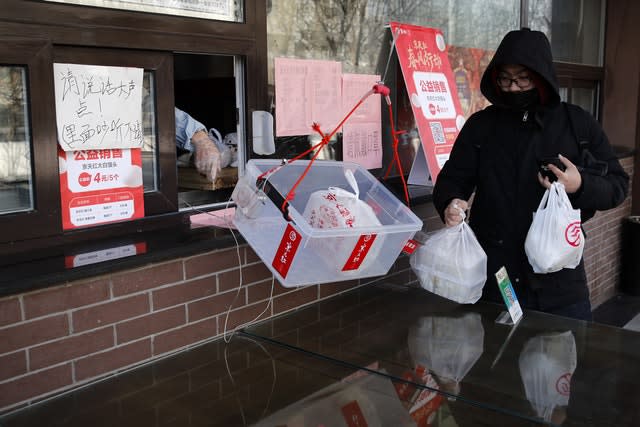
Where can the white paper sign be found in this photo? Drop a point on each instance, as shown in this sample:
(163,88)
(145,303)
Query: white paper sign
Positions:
(98,107)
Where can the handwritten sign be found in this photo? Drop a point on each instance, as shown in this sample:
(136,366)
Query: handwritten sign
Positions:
(98,107)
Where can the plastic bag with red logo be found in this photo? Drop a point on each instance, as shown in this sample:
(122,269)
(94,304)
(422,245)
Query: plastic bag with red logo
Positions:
(547,363)
(555,239)
(337,208)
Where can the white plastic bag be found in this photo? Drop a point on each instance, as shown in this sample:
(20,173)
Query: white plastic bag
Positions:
(452,264)
(555,240)
(547,363)
(337,208)
(448,345)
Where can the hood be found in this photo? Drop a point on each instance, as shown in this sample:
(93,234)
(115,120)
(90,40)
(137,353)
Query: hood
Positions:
(528,48)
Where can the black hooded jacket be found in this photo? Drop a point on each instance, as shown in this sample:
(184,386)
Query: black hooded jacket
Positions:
(496,156)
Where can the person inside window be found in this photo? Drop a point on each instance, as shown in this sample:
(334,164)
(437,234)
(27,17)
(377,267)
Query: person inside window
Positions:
(496,156)
(207,150)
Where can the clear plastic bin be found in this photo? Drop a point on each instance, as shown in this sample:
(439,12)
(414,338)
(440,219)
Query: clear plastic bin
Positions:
(299,254)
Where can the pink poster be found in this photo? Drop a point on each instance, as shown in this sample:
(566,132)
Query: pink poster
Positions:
(307,92)
(361,133)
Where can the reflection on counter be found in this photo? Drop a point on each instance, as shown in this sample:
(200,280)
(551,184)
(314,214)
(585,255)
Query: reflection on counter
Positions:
(448,346)
(547,363)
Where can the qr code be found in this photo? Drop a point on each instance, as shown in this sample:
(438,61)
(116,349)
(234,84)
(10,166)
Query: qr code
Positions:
(437,132)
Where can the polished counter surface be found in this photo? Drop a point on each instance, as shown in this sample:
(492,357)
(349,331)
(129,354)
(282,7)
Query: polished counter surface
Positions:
(380,355)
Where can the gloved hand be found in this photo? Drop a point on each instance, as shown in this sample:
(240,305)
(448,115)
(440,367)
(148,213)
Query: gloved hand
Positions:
(206,156)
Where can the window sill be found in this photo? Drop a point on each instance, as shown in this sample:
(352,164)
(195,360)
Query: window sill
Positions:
(53,266)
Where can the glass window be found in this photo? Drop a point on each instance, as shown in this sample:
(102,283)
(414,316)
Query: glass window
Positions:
(354,35)
(149,163)
(205,93)
(16,189)
(574,27)
(221,10)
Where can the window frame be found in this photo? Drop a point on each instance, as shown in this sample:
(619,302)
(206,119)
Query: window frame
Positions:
(42,33)
(35,56)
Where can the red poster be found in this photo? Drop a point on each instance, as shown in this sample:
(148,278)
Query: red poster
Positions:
(100,186)
(431,88)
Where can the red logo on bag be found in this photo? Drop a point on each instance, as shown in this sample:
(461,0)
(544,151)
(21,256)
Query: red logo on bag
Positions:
(573,234)
(353,415)
(286,251)
(359,252)
(563,385)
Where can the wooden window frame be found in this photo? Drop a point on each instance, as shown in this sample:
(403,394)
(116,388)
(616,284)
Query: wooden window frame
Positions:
(41,33)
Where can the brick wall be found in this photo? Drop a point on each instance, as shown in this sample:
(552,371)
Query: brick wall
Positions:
(72,334)
(602,250)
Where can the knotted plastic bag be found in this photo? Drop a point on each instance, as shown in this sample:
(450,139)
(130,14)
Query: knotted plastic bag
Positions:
(547,363)
(555,240)
(452,264)
(337,208)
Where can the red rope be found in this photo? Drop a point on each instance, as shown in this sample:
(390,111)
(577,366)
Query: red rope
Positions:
(378,88)
(325,140)
(396,156)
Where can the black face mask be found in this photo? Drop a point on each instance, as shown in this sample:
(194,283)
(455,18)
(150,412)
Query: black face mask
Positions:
(521,100)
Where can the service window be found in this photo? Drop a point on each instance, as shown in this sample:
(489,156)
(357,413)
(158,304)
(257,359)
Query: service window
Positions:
(207,60)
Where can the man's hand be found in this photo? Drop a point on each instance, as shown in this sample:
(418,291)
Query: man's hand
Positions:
(453,214)
(206,156)
(570,178)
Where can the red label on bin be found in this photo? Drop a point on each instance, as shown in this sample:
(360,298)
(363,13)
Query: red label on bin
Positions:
(359,252)
(286,251)
(353,415)
(410,247)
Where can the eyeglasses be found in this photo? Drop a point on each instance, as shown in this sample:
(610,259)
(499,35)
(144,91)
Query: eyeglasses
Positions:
(506,82)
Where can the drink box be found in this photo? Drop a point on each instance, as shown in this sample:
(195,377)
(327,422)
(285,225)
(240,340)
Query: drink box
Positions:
(301,254)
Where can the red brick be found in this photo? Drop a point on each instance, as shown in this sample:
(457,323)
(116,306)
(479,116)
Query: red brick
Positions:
(70,348)
(190,334)
(35,385)
(147,278)
(184,292)
(295,299)
(245,316)
(111,312)
(260,291)
(12,365)
(211,262)
(250,255)
(229,280)
(250,274)
(215,305)
(66,297)
(255,273)
(9,311)
(151,324)
(32,333)
(112,360)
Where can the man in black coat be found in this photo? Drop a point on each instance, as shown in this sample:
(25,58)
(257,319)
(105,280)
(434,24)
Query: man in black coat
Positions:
(497,155)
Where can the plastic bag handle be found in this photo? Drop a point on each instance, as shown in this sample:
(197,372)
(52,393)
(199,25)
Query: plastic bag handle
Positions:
(351,179)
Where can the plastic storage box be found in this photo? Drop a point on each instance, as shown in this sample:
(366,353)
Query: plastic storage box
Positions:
(299,254)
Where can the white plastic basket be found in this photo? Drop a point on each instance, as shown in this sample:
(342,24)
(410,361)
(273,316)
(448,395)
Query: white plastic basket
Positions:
(299,254)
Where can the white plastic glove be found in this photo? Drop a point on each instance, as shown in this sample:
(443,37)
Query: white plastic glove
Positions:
(206,156)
